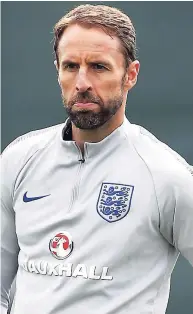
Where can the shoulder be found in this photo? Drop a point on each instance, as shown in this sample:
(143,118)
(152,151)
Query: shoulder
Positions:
(171,175)
(162,161)
(18,152)
(32,141)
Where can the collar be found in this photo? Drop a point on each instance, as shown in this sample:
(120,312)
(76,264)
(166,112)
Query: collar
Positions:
(108,144)
(67,131)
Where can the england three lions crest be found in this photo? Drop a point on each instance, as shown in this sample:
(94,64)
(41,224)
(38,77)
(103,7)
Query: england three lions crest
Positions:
(114,201)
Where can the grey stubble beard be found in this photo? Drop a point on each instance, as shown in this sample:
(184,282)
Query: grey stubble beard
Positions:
(88,119)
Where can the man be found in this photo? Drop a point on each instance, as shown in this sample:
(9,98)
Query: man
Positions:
(95,211)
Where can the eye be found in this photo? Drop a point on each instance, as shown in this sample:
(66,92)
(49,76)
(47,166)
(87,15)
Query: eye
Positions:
(98,66)
(70,66)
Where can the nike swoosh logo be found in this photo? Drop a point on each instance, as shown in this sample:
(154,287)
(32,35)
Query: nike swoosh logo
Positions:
(27,199)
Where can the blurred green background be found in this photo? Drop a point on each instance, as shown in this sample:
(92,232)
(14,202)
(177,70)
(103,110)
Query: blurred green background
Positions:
(162,101)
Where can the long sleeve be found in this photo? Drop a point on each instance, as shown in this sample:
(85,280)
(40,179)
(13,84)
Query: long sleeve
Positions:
(9,243)
(176,209)
(173,180)
(14,158)
(183,217)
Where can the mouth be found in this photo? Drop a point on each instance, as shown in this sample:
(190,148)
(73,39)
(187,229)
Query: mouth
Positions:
(85,105)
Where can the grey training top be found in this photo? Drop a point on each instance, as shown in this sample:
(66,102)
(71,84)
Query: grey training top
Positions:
(93,234)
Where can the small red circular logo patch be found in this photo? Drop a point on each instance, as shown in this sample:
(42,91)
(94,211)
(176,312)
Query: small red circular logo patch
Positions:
(61,245)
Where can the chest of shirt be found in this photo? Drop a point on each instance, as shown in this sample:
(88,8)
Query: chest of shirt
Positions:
(102,204)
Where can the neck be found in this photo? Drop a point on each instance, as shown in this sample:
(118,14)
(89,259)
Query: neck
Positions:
(96,135)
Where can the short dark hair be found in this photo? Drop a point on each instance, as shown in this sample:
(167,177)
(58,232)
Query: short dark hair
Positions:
(110,19)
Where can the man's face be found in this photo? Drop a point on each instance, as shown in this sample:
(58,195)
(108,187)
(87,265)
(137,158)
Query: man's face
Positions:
(91,74)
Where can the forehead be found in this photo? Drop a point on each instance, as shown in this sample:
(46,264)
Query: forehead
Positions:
(78,40)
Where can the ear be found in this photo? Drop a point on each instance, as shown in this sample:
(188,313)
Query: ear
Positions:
(56,65)
(132,74)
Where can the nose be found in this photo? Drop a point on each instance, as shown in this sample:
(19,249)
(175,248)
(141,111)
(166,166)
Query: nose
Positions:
(83,83)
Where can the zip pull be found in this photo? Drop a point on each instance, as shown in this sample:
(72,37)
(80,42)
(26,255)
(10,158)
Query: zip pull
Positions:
(82,160)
